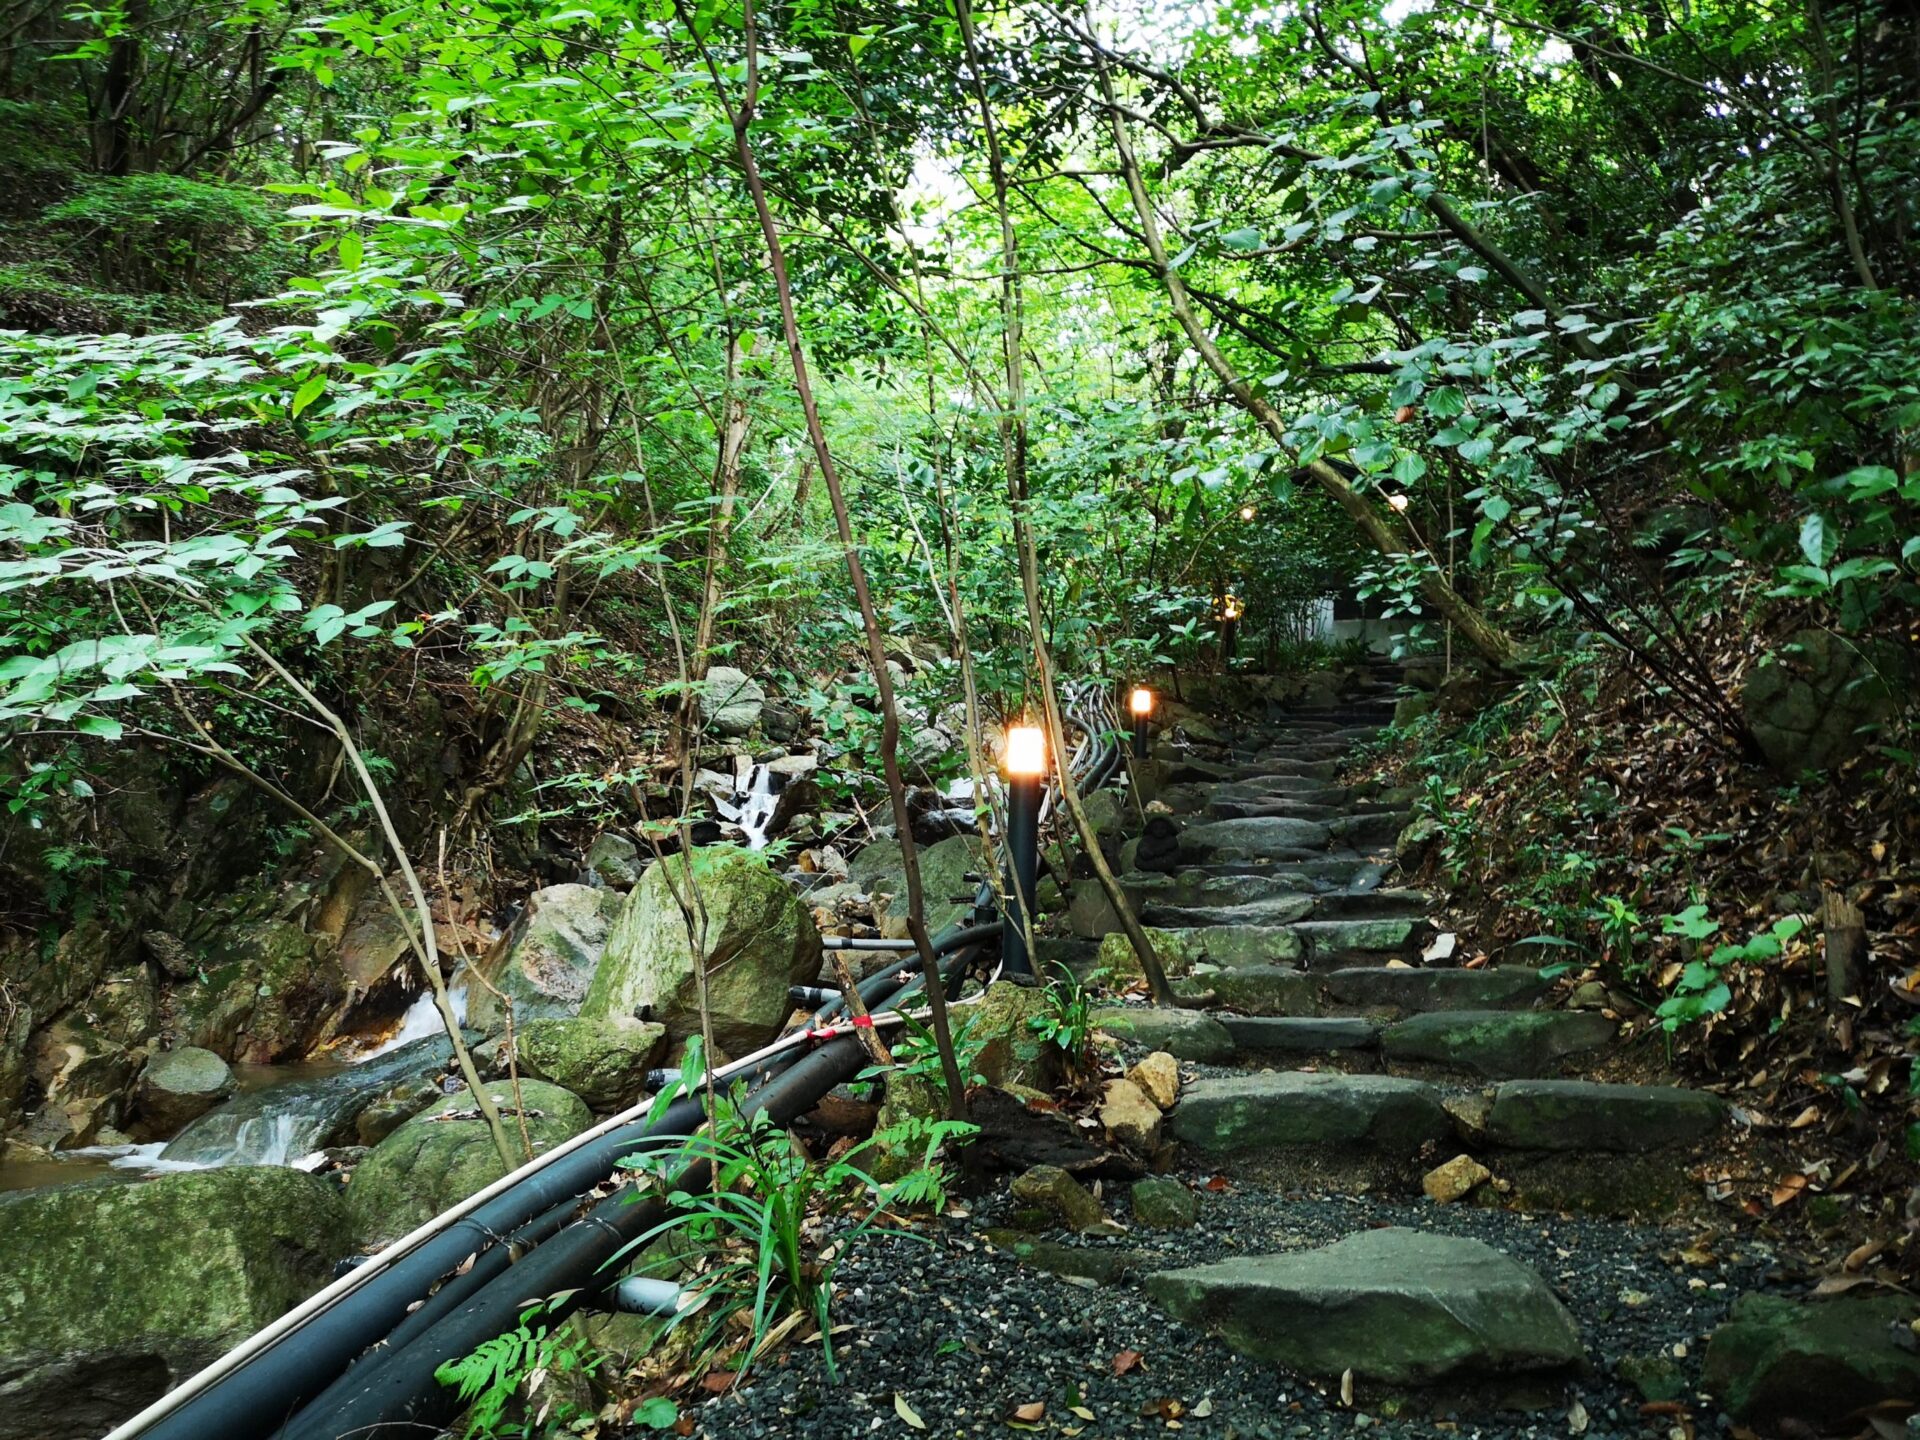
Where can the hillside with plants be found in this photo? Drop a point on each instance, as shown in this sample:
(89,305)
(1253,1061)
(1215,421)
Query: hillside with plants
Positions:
(520,523)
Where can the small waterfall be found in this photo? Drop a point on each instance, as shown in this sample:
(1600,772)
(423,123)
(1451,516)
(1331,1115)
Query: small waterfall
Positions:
(753,806)
(421,1021)
(281,1124)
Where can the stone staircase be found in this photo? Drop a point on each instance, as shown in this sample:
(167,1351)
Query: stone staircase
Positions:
(1321,1047)
(1314,1020)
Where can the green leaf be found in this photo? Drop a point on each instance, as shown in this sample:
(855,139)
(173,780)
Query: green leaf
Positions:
(105,727)
(311,390)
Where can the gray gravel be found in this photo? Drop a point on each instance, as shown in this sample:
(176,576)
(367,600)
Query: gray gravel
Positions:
(965,1334)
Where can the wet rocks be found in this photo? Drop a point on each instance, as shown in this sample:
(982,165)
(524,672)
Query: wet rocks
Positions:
(1159,1077)
(604,1062)
(1012,1050)
(178,1086)
(115,1293)
(1395,1305)
(1412,991)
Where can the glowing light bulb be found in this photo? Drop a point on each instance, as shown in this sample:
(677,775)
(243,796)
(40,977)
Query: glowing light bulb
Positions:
(1141,701)
(1246,512)
(1026,750)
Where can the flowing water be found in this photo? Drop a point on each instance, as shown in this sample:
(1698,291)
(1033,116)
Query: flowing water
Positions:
(283,1123)
(753,806)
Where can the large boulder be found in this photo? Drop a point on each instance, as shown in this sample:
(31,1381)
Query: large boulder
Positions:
(731,701)
(944,867)
(178,1086)
(546,964)
(604,1062)
(266,993)
(85,1074)
(444,1154)
(1793,1367)
(758,939)
(1816,702)
(1403,1307)
(111,1294)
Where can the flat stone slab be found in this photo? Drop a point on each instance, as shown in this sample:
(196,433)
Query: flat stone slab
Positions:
(1256,990)
(1183,1034)
(1410,991)
(1302,1033)
(1499,1044)
(1389,935)
(1588,1115)
(1253,839)
(1378,903)
(1279,909)
(1297,1107)
(1402,1307)
(1199,887)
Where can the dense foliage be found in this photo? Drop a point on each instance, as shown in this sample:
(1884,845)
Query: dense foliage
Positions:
(411,354)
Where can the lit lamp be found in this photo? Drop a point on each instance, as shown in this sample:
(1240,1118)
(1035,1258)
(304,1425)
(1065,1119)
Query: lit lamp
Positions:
(1026,766)
(1141,704)
(1246,512)
(1230,610)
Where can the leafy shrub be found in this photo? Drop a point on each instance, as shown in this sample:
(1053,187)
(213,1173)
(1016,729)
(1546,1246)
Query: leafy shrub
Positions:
(153,232)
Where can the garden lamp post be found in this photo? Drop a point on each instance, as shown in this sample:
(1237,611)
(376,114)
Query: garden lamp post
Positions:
(1140,703)
(1026,766)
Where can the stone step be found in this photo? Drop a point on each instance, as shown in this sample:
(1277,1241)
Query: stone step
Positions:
(1400,935)
(1284,809)
(1254,839)
(1284,990)
(1393,1306)
(1301,1034)
(1227,946)
(1372,904)
(1370,830)
(1499,1044)
(1279,910)
(1220,1115)
(1183,1034)
(1589,1115)
(1411,991)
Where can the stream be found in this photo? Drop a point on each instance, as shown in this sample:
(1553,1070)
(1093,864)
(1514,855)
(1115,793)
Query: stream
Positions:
(279,1114)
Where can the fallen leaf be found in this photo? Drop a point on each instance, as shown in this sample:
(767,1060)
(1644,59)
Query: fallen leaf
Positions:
(1082,1411)
(1204,1408)
(1788,1190)
(1216,1183)
(1859,1256)
(714,1381)
(1664,1407)
(1577,1418)
(1030,1412)
(1346,1388)
(1127,1361)
(1808,1116)
(906,1412)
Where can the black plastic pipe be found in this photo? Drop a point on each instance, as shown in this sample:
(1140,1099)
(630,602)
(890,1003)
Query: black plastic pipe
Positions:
(248,1403)
(401,1396)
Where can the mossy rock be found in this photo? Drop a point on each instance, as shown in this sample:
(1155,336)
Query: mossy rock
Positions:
(1014,1052)
(759,941)
(1813,1364)
(1184,1034)
(111,1294)
(604,1062)
(445,1153)
(547,964)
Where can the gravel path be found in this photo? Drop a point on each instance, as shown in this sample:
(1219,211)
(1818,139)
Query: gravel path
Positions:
(964,1334)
